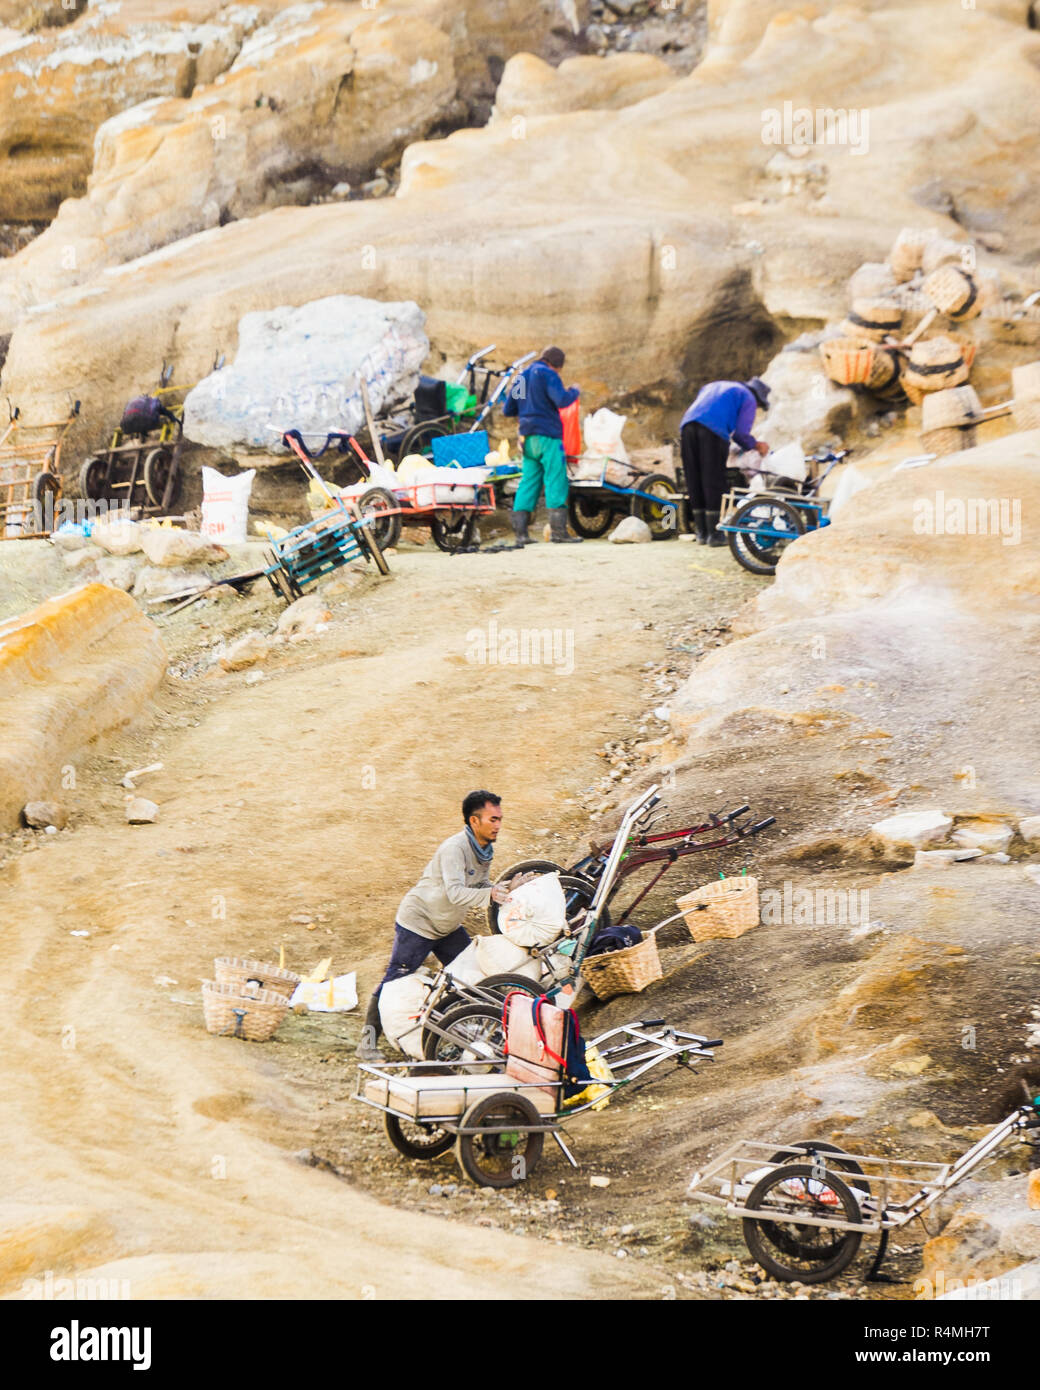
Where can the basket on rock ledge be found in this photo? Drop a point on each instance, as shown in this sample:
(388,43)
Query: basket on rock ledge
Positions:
(908,250)
(953,291)
(254,1017)
(251,976)
(873,319)
(847,360)
(628,971)
(936,364)
(726,908)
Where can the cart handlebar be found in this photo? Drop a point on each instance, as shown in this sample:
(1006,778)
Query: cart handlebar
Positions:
(761,825)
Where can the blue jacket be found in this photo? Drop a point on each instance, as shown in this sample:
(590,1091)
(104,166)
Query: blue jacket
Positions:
(536,397)
(727,408)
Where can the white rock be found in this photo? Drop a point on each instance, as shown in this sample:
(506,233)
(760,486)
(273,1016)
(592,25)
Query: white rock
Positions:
(155,582)
(940,858)
(992,837)
(82,562)
(118,537)
(303,617)
(118,570)
(911,830)
(140,811)
(313,354)
(1029,829)
(42,814)
(247,651)
(631,531)
(68,540)
(167,547)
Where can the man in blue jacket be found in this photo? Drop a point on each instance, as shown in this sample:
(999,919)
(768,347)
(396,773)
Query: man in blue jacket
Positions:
(536,398)
(723,411)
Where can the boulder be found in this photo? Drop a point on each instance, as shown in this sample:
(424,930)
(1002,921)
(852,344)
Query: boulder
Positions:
(305,366)
(168,546)
(247,651)
(70,670)
(40,814)
(631,530)
(532,87)
(897,836)
(301,618)
(1029,829)
(117,536)
(989,836)
(991,1232)
(140,811)
(157,582)
(119,570)
(1020,1283)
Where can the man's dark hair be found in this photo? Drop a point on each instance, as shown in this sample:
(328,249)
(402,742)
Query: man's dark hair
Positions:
(554,356)
(476,801)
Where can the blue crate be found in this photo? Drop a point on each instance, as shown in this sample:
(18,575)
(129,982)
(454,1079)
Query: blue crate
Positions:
(461,450)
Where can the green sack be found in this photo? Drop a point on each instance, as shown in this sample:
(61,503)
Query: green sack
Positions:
(458,399)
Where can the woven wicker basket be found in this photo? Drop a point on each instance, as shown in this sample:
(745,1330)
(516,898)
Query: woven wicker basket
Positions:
(949,440)
(873,278)
(908,250)
(1025,382)
(953,408)
(726,908)
(847,360)
(952,290)
(253,1017)
(251,976)
(914,304)
(884,371)
(935,364)
(873,319)
(623,972)
(942,250)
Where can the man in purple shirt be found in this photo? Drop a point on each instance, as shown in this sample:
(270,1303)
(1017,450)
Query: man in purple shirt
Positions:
(723,411)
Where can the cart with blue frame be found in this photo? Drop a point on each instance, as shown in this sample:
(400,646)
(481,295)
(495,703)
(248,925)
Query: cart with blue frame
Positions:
(760,524)
(308,553)
(593,504)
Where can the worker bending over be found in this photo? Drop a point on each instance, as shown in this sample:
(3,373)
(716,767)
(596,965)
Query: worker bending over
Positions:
(724,411)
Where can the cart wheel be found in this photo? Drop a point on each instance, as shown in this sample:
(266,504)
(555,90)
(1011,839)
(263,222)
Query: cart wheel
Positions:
(663,520)
(419,439)
(416,1140)
(384,530)
(589,516)
(788,1249)
(161,471)
(450,534)
(757,553)
(510,1152)
(526,866)
(836,1158)
(92,479)
(475,1035)
(510,984)
(46,486)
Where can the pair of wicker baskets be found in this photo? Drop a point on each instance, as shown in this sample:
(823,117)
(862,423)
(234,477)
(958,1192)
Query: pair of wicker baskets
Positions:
(248,999)
(726,908)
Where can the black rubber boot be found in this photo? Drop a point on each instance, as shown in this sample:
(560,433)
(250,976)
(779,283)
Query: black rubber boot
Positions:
(715,538)
(368,1047)
(520,521)
(700,527)
(558,527)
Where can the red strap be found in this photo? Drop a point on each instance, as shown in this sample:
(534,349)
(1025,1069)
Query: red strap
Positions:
(537,1014)
(513,993)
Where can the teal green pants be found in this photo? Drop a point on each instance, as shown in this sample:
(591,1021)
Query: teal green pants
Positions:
(543,463)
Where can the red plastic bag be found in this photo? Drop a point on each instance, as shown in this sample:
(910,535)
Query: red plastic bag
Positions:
(570,416)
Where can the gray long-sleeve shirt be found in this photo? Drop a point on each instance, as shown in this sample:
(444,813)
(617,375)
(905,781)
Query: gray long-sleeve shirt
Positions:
(453,882)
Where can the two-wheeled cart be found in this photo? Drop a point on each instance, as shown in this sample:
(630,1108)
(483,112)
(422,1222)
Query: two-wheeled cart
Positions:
(30,474)
(807,1206)
(593,504)
(761,523)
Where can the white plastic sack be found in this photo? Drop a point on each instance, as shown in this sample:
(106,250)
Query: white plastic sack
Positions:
(786,462)
(225,505)
(850,481)
(536,913)
(401,1002)
(335,996)
(603,434)
(492,955)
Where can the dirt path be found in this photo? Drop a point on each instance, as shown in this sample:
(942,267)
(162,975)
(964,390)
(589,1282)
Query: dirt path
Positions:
(149,1150)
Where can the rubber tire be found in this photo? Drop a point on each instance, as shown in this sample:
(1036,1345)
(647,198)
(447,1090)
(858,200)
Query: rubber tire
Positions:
(431,1041)
(457,1001)
(669,519)
(404,1145)
(743,548)
(386,532)
(419,439)
(761,1249)
(44,484)
(526,866)
(467,1148)
(838,1157)
(590,529)
(158,465)
(92,479)
(452,540)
